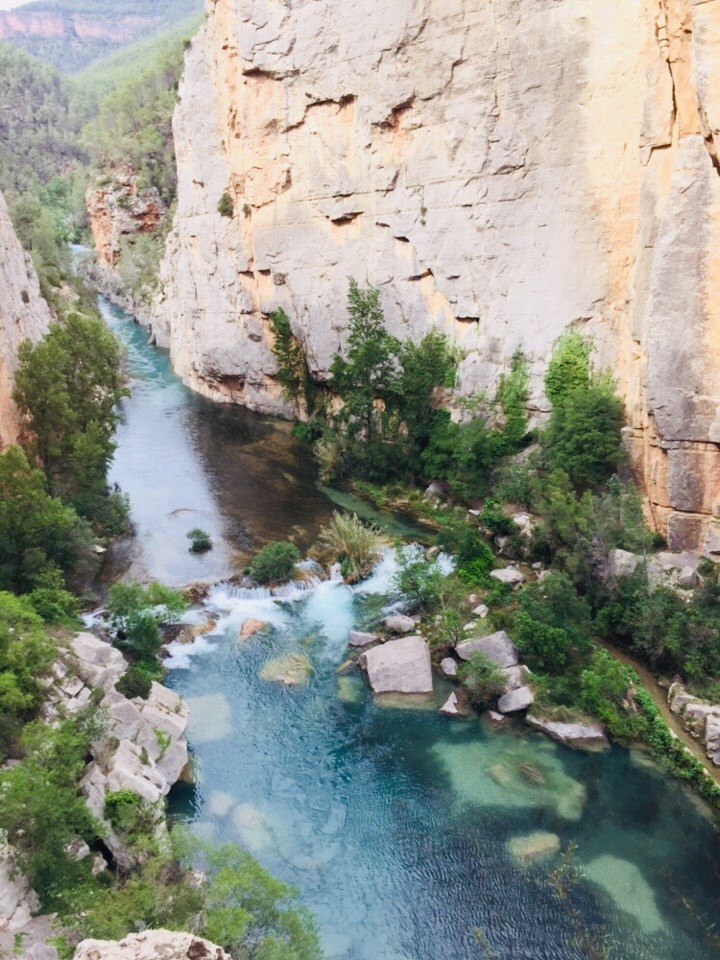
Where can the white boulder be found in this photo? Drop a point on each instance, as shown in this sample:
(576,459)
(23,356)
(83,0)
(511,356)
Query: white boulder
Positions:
(399,666)
(509,575)
(151,945)
(359,639)
(583,736)
(449,666)
(497,647)
(516,700)
(399,623)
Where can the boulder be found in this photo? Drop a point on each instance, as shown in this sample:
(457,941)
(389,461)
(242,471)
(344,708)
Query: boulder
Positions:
(449,666)
(151,945)
(583,736)
(293,670)
(17,900)
(359,639)
(510,575)
(497,647)
(623,563)
(534,846)
(96,662)
(451,707)
(251,627)
(516,677)
(516,700)
(399,666)
(481,611)
(399,623)
(498,719)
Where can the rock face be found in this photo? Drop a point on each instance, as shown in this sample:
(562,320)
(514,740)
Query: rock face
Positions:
(23,315)
(151,945)
(399,666)
(17,900)
(500,170)
(118,209)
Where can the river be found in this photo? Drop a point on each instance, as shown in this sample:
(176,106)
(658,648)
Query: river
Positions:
(397,826)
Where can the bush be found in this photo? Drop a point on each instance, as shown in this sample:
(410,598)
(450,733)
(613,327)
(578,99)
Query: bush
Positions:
(54,605)
(492,517)
(569,368)
(355,545)
(604,690)
(293,373)
(476,573)
(275,563)
(419,580)
(200,541)
(226,205)
(136,682)
(136,611)
(482,679)
(552,626)
(129,815)
(26,653)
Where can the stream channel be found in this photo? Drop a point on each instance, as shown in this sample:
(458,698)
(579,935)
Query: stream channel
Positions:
(395,824)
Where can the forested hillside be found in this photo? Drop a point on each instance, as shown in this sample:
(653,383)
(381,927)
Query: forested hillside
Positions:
(72,33)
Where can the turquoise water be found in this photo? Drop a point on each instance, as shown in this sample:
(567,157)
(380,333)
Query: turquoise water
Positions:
(395,824)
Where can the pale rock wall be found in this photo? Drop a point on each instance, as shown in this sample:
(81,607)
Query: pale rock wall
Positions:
(151,945)
(502,170)
(24,314)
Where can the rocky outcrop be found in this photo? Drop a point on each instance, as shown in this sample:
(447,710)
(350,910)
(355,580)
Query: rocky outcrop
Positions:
(700,718)
(500,170)
(582,736)
(120,207)
(23,315)
(151,945)
(497,647)
(17,900)
(399,666)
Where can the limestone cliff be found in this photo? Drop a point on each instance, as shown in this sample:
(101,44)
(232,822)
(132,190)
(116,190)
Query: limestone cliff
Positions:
(23,315)
(500,169)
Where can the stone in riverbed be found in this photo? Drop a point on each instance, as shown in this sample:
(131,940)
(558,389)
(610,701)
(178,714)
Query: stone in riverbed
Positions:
(399,666)
(449,666)
(497,647)
(516,700)
(293,670)
(251,627)
(534,846)
(399,623)
(456,705)
(359,639)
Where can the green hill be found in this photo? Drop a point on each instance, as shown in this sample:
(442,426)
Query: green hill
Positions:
(70,34)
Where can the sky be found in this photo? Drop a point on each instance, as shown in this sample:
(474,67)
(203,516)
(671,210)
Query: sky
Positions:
(9,4)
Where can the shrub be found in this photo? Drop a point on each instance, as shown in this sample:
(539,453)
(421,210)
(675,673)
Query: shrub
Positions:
(419,580)
(26,653)
(54,604)
(482,679)
(492,517)
(226,205)
(275,563)
(355,545)
(476,573)
(200,541)
(130,815)
(552,625)
(136,682)
(136,611)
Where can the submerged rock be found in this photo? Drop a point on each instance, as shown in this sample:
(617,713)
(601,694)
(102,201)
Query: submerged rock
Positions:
(399,666)
(584,736)
(534,846)
(251,627)
(293,670)
(497,647)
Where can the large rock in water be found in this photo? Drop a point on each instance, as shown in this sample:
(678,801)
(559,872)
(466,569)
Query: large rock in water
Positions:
(497,647)
(151,945)
(399,666)
(437,149)
(584,736)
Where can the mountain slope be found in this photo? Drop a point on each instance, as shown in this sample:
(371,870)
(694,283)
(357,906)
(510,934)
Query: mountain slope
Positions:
(72,33)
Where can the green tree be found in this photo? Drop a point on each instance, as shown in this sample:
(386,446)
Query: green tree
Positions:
(482,679)
(583,437)
(38,533)
(293,372)
(569,367)
(68,387)
(136,614)
(425,368)
(552,626)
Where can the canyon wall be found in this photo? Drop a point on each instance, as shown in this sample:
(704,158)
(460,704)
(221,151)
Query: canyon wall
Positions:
(23,315)
(501,170)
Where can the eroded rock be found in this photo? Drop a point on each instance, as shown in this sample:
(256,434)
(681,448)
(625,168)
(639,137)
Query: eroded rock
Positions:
(399,666)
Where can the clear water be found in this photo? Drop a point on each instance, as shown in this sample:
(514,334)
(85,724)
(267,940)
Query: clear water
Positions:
(393,822)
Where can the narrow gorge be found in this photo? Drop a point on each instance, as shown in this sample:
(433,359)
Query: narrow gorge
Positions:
(499,172)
